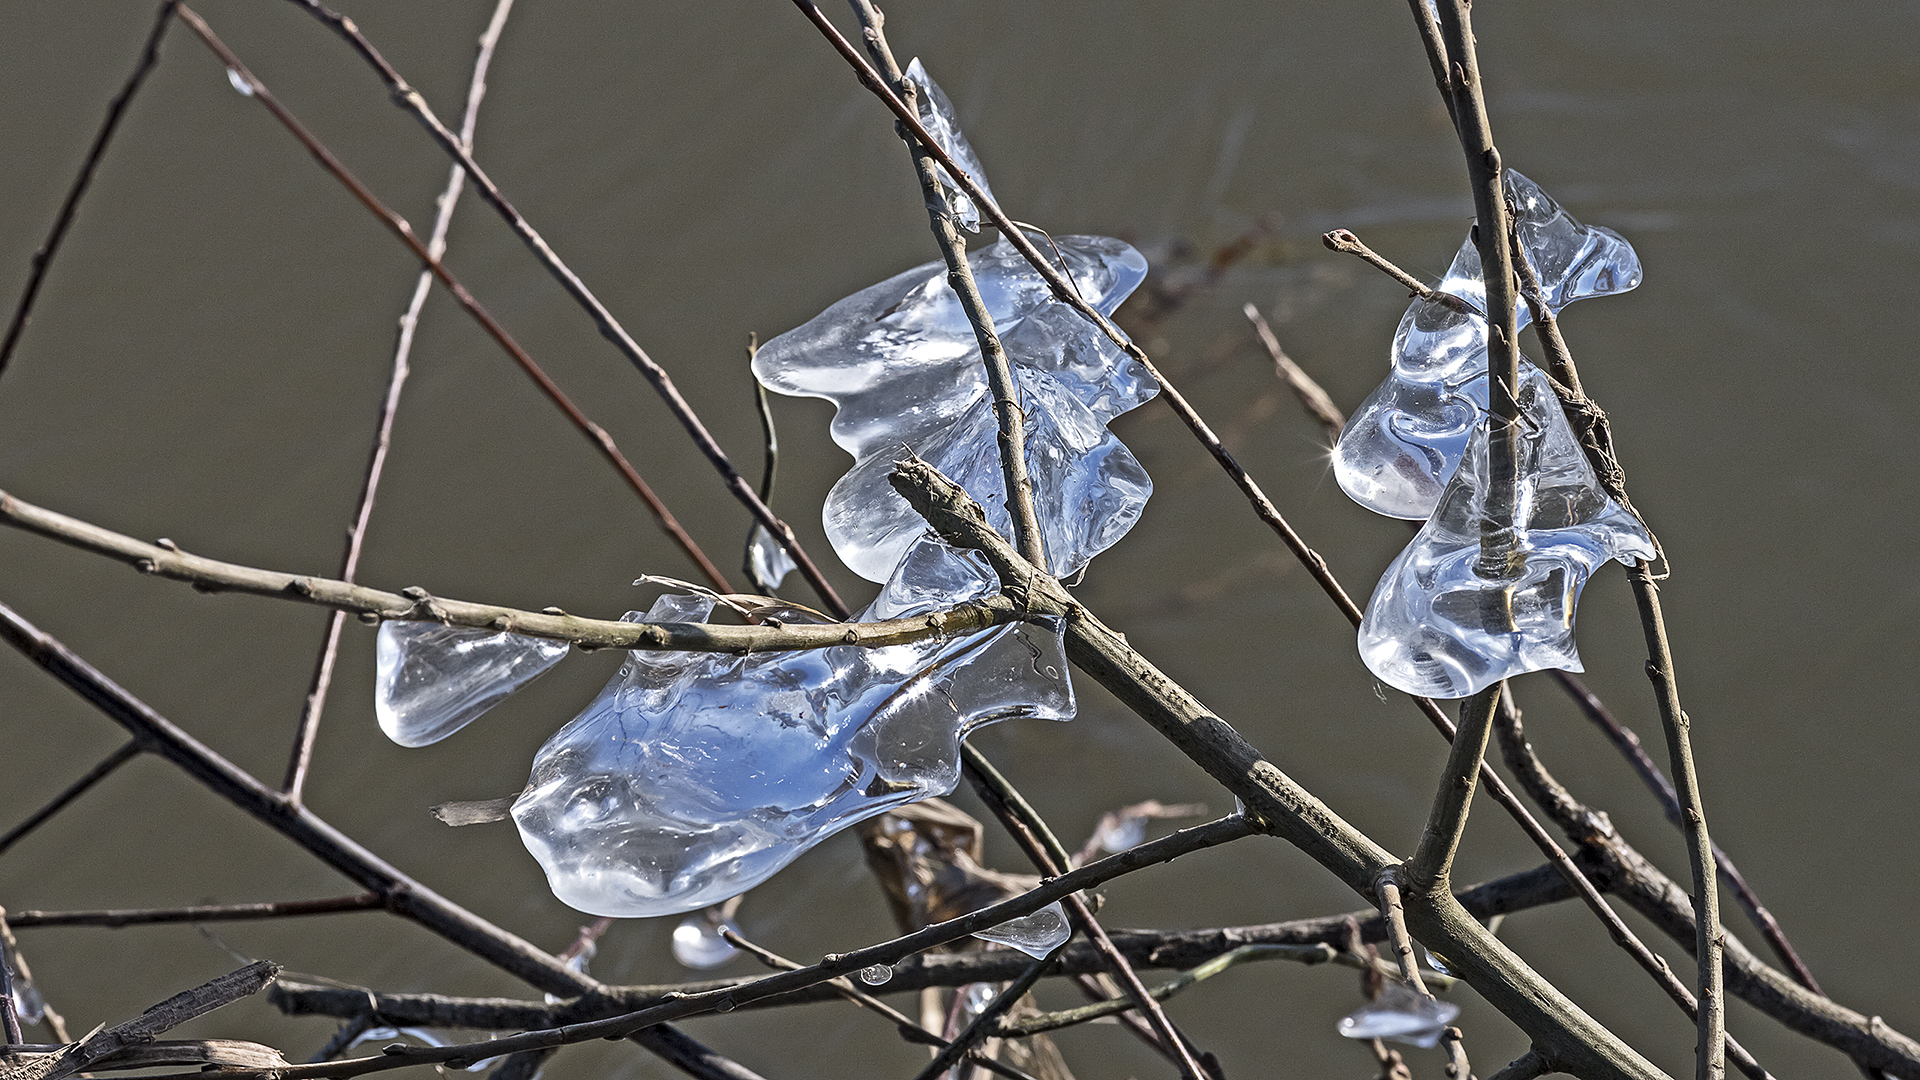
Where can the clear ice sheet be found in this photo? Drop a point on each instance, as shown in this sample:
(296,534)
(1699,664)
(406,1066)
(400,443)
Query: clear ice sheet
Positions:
(1436,627)
(695,776)
(432,680)
(936,114)
(1037,934)
(900,362)
(1402,1015)
(1404,442)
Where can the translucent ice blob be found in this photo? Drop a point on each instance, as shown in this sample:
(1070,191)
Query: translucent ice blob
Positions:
(901,363)
(432,680)
(935,113)
(1440,624)
(1404,442)
(695,776)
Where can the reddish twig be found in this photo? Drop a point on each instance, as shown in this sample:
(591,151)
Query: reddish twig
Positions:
(408,98)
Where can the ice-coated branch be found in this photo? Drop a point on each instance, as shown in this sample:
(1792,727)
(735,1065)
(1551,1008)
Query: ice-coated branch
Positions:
(166,560)
(1011,435)
(1274,801)
(409,99)
(1499,555)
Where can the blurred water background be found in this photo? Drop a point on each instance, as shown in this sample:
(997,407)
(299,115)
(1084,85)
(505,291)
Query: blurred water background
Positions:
(207,360)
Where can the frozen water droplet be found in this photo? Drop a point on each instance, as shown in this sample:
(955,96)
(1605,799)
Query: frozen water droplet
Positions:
(768,561)
(936,114)
(1400,1015)
(1434,962)
(876,974)
(239,82)
(901,364)
(1037,934)
(1404,442)
(695,776)
(28,1005)
(1118,835)
(1437,626)
(432,680)
(697,943)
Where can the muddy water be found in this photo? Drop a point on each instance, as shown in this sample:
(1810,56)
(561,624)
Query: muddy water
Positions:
(207,360)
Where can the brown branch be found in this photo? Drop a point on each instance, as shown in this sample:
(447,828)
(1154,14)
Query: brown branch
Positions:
(166,560)
(1011,438)
(984,1021)
(1275,802)
(70,207)
(595,434)
(116,918)
(1050,857)
(1318,403)
(1393,915)
(406,97)
(1628,743)
(127,752)
(1343,240)
(1582,825)
(142,1029)
(1431,868)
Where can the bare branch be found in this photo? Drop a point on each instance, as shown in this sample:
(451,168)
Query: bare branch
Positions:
(166,560)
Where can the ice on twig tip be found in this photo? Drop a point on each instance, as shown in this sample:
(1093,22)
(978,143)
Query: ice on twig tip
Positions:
(695,776)
(698,942)
(1439,626)
(876,974)
(768,564)
(901,363)
(1404,442)
(432,680)
(1037,934)
(1401,1015)
(935,113)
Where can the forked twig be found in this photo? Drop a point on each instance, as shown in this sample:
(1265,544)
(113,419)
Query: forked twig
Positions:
(409,99)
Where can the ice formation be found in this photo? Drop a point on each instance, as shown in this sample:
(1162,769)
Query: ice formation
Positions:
(1404,442)
(695,776)
(1438,627)
(698,943)
(1402,1015)
(1037,934)
(936,114)
(900,362)
(432,680)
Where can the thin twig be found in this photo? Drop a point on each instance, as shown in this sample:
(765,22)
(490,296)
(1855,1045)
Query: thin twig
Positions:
(9,1016)
(1274,801)
(398,225)
(1319,953)
(1706,893)
(1628,743)
(1011,438)
(316,701)
(1343,240)
(1050,857)
(116,918)
(985,1021)
(1395,918)
(166,560)
(70,207)
(1318,403)
(1582,822)
(1431,867)
(127,752)
(1456,1048)
(406,97)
